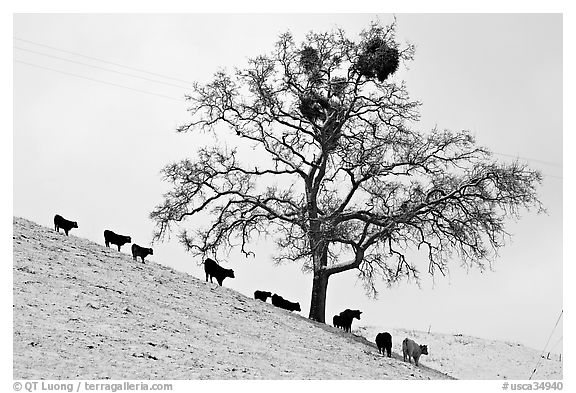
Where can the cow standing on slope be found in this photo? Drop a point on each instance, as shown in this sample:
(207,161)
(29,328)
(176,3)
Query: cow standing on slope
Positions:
(141,252)
(412,350)
(262,295)
(345,319)
(213,269)
(61,222)
(337,322)
(279,301)
(119,240)
(384,343)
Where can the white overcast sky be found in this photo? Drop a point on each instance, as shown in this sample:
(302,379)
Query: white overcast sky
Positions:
(90,150)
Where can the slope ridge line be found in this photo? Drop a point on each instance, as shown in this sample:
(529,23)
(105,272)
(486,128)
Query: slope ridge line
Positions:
(83,311)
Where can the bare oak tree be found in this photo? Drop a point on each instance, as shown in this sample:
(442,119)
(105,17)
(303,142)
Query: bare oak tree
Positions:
(346,182)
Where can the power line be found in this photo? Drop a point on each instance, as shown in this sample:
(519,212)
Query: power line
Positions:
(101,60)
(531,159)
(549,337)
(101,68)
(176,79)
(554,176)
(99,81)
(161,95)
(552,348)
(535,160)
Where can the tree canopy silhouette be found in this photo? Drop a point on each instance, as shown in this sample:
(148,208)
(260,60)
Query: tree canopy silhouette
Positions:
(336,172)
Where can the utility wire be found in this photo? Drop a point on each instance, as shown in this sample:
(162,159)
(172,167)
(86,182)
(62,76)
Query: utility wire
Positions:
(531,159)
(102,68)
(100,81)
(555,177)
(535,160)
(540,357)
(552,348)
(101,60)
(180,80)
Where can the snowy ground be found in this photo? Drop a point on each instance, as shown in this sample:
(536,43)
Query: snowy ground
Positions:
(83,311)
(88,312)
(467,357)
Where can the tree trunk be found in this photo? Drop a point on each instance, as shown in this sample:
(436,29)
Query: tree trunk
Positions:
(318,301)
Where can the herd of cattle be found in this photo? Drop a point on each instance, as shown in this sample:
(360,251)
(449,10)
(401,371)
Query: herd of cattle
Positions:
(109,237)
(213,270)
(344,321)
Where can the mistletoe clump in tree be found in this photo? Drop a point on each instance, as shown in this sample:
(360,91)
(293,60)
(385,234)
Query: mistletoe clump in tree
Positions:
(344,181)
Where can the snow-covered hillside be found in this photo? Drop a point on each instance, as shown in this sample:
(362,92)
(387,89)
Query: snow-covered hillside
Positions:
(88,312)
(467,357)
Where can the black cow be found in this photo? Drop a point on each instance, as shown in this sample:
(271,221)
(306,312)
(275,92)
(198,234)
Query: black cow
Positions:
(141,252)
(336,321)
(61,222)
(119,240)
(262,295)
(279,301)
(212,269)
(384,343)
(346,318)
